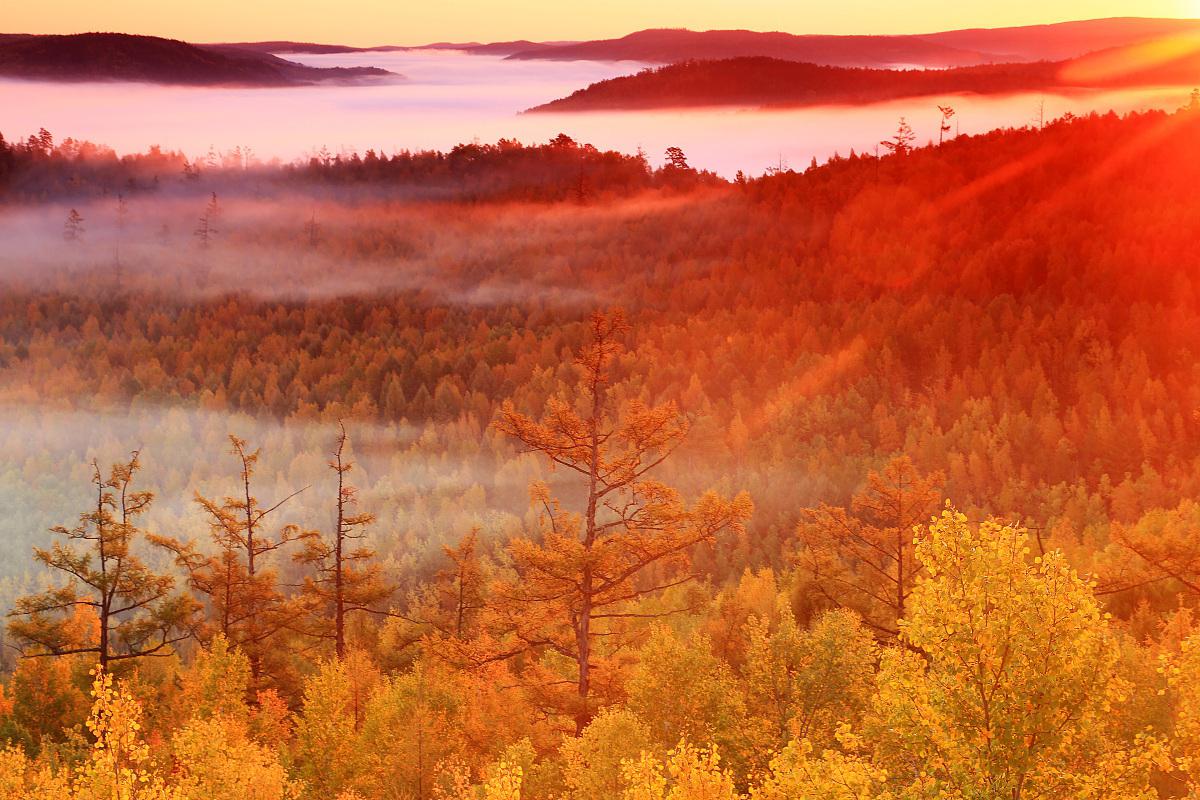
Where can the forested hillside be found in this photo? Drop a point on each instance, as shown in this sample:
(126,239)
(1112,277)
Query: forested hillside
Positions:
(877,480)
(761,81)
(774,82)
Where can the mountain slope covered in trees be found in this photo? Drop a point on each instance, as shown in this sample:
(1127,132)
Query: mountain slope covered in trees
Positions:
(775,82)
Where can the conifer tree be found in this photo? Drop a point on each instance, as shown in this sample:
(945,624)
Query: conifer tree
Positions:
(343,579)
(901,143)
(863,558)
(245,603)
(632,536)
(73,227)
(136,610)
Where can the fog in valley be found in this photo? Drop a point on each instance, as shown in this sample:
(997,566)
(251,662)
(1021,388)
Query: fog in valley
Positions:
(450,97)
(418,481)
(428,481)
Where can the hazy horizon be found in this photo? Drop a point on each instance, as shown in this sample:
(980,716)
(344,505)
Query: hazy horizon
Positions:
(369,23)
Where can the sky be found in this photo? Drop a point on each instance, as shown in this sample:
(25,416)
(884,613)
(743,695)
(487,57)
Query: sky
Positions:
(372,22)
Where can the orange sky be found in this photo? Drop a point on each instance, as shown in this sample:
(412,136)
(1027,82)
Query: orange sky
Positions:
(367,22)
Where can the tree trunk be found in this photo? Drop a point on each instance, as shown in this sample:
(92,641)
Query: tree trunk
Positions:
(339,614)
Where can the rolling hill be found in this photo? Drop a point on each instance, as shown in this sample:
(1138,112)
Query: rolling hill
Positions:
(759,81)
(777,82)
(125,57)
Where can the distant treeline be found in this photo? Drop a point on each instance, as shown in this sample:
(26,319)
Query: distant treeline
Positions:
(37,168)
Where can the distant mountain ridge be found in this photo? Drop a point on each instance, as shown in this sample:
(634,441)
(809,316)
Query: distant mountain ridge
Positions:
(666,46)
(1053,42)
(942,49)
(127,57)
(1064,40)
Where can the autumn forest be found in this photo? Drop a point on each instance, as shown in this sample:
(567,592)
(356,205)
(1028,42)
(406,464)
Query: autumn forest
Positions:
(544,471)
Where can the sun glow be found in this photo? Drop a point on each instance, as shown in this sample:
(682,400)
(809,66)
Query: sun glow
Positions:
(1114,65)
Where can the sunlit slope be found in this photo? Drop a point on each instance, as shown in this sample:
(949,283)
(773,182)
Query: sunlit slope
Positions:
(1098,207)
(1065,40)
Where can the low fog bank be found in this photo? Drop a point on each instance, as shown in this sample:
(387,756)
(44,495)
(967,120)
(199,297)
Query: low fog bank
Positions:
(428,485)
(294,247)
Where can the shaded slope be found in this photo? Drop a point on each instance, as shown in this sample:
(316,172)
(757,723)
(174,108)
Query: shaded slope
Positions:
(776,82)
(124,57)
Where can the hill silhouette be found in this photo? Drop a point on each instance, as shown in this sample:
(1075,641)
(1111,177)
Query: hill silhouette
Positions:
(665,46)
(941,49)
(126,57)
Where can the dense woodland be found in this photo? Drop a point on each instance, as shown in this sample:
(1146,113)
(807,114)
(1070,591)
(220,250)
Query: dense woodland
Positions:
(872,481)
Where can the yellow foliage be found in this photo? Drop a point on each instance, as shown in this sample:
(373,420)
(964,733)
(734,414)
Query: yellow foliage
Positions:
(796,775)
(413,728)
(1007,677)
(690,773)
(1182,671)
(335,705)
(22,779)
(681,691)
(216,760)
(216,681)
(503,784)
(117,767)
(804,683)
(592,761)
(503,781)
